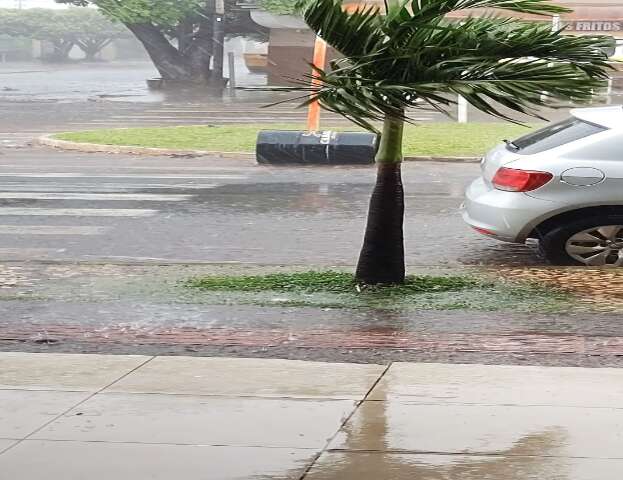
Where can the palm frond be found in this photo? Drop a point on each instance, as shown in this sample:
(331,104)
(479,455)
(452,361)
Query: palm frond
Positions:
(351,34)
(414,58)
(424,10)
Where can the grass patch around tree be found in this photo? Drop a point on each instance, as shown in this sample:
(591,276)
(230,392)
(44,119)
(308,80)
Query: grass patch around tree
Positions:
(429,139)
(339,290)
(329,282)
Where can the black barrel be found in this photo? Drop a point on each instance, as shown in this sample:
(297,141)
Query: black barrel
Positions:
(283,147)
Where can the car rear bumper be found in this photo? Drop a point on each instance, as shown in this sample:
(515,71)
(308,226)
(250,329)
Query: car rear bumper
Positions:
(506,216)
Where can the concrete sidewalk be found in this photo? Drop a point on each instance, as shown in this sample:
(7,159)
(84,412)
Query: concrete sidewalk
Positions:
(73,417)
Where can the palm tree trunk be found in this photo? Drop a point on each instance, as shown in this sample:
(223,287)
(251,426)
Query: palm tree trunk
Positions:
(382,258)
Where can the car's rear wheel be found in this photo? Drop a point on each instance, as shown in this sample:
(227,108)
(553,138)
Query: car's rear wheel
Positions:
(594,242)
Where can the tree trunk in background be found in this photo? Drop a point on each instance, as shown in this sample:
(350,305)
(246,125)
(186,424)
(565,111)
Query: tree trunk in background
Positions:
(62,48)
(170,62)
(92,47)
(382,258)
(184,35)
(199,52)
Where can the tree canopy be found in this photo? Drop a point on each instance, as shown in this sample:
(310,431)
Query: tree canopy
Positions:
(166,13)
(184,38)
(47,24)
(87,28)
(169,14)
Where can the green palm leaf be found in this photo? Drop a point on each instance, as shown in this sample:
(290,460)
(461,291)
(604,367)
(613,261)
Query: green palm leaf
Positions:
(414,57)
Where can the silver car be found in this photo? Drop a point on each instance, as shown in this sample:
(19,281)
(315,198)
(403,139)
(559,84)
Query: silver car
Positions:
(561,185)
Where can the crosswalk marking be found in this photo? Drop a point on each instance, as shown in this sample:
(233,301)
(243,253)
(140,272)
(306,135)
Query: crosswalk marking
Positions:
(112,175)
(150,197)
(18,253)
(25,225)
(77,212)
(51,230)
(103,187)
(140,168)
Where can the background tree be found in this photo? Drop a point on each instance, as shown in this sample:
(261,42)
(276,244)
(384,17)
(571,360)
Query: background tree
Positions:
(39,24)
(178,35)
(411,56)
(62,29)
(92,31)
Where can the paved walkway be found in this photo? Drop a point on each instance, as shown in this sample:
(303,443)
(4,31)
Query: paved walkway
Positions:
(66,417)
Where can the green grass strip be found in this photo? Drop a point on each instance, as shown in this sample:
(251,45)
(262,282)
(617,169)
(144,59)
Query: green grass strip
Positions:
(329,282)
(428,139)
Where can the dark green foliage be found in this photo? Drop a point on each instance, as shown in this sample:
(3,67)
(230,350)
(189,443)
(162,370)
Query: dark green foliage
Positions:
(413,57)
(279,7)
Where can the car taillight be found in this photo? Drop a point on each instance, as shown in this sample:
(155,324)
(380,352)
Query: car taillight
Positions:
(512,180)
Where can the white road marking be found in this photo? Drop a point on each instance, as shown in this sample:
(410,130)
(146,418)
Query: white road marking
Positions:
(78,212)
(278,112)
(101,187)
(51,230)
(140,168)
(151,197)
(113,175)
(14,253)
(266,118)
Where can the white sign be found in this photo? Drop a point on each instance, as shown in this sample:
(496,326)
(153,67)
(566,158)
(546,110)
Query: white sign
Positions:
(596,26)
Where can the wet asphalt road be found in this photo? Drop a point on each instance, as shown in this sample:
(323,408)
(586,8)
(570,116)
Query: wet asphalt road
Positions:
(36,99)
(74,229)
(68,206)
(74,226)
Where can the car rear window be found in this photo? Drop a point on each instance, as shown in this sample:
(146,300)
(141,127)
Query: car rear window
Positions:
(554,136)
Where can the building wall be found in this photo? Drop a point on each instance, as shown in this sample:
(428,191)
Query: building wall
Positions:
(588,17)
(291,50)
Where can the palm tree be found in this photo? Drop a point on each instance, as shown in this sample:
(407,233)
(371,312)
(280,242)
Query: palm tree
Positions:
(409,56)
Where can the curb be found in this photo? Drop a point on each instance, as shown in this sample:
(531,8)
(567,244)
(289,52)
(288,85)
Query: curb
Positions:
(49,141)
(443,159)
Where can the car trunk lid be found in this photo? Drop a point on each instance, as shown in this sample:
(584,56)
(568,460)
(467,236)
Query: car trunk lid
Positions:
(494,159)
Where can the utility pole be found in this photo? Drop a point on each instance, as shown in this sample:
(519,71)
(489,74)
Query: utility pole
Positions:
(218,44)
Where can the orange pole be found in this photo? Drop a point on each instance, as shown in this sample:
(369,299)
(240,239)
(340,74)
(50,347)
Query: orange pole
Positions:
(320,58)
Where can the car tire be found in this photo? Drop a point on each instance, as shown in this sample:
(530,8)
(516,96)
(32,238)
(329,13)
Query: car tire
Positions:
(552,244)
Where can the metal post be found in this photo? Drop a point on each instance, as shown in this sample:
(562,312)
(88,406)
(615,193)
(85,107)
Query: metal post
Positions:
(232,73)
(218,40)
(555,28)
(462,109)
(609,91)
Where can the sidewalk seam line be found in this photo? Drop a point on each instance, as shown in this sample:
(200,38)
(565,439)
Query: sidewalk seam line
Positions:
(62,414)
(358,404)
(474,453)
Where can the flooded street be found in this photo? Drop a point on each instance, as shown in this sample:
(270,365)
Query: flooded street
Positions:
(75,227)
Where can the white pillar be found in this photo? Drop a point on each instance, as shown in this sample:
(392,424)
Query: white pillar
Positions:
(609,91)
(555,28)
(462,109)
(555,23)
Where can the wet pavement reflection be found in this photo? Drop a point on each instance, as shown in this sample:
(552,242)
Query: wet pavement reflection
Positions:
(443,435)
(224,211)
(259,419)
